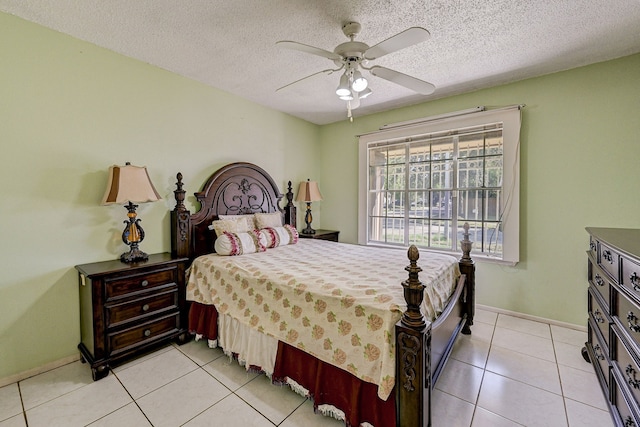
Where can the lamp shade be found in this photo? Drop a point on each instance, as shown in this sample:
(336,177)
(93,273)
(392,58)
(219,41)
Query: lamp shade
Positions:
(129,184)
(308,192)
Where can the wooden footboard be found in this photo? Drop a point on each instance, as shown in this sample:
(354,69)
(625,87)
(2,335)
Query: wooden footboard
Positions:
(422,349)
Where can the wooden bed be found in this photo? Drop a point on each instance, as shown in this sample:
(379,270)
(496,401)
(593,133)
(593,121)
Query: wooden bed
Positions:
(422,348)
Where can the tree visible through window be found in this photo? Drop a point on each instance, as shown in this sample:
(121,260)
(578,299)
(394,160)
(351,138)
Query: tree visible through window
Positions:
(422,190)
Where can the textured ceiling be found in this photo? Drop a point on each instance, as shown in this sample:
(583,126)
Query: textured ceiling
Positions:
(231,44)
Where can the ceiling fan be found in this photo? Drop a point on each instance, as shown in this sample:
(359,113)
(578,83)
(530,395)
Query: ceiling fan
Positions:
(352,56)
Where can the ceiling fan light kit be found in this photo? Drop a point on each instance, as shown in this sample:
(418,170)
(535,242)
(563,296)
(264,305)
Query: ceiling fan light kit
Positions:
(352,56)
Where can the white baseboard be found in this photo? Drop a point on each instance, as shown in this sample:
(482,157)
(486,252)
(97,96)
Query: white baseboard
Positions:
(39,370)
(534,318)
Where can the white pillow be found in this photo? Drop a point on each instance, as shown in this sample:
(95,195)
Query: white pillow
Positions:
(249,218)
(240,243)
(241,225)
(280,236)
(264,220)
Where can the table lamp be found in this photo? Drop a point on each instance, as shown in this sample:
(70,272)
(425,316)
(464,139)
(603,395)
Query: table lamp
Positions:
(308,192)
(130,184)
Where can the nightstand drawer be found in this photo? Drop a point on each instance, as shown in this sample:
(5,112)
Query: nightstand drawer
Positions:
(146,332)
(141,307)
(139,282)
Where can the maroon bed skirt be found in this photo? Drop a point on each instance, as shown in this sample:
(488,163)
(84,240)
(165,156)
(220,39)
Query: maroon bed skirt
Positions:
(327,384)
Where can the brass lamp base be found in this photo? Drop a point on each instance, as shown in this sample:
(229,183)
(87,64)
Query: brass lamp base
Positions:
(132,235)
(307,219)
(134,255)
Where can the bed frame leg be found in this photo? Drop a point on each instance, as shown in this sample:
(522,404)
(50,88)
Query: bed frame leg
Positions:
(413,358)
(468,268)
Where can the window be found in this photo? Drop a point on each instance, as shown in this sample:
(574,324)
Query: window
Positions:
(420,183)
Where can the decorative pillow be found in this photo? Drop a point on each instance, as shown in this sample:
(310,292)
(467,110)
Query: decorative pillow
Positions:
(249,218)
(240,243)
(240,225)
(280,236)
(264,220)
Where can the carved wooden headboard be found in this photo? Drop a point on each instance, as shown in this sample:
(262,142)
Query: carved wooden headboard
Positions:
(235,189)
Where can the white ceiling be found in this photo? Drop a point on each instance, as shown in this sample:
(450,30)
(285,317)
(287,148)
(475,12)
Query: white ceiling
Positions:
(231,44)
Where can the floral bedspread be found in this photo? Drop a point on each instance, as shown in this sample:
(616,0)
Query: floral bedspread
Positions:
(337,302)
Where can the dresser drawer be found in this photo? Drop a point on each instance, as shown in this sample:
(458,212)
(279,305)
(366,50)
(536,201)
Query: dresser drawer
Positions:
(141,307)
(598,314)
(630,277)
(623,406)
(146,332)
(628,314)
(628,366)
(609,260)
(139,282)
(593,247)
(601,353)
(600,282)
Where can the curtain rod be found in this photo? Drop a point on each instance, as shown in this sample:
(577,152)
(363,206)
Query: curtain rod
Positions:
(448,115)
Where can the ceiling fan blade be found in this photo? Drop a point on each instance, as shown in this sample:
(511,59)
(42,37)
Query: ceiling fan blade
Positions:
(327,72)
(416,85)
(408,37)
(309,49)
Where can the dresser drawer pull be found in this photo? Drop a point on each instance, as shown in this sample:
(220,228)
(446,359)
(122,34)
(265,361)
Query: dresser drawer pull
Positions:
(597,351)
(144,283)
(145,307)
(606,255)
(147,332)
(592,246)
(628,422)
(631,377)
(632,320)
(598,316)
(635,281)
(599,280)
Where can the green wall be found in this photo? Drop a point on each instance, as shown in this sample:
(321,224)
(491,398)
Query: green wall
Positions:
(580,148)
(69,110)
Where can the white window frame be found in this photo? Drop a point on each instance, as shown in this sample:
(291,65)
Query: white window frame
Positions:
(510,203)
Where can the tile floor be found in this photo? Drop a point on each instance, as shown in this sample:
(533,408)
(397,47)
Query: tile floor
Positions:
(509,372)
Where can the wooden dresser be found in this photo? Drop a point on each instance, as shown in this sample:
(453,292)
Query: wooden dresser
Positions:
(614,319)
(127,308)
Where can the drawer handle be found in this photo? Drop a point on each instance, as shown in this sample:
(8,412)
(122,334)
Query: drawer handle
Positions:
(592,246)
(631,377)
(606,255)
(628,422)
(598,352)
(147,332)
(598,316)
(632,320)
(145,307)
(144,283)
(635,281)
(599,280)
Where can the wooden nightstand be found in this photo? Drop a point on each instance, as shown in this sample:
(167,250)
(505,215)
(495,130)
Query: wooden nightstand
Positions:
(127,308)
(331,235)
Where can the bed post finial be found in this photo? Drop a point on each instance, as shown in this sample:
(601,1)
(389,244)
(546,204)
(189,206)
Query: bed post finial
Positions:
(180,222)
(466,245)
(290,210)
(413,292)
(179,193)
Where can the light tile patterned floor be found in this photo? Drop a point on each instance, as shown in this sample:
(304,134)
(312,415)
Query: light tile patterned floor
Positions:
(509,372)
